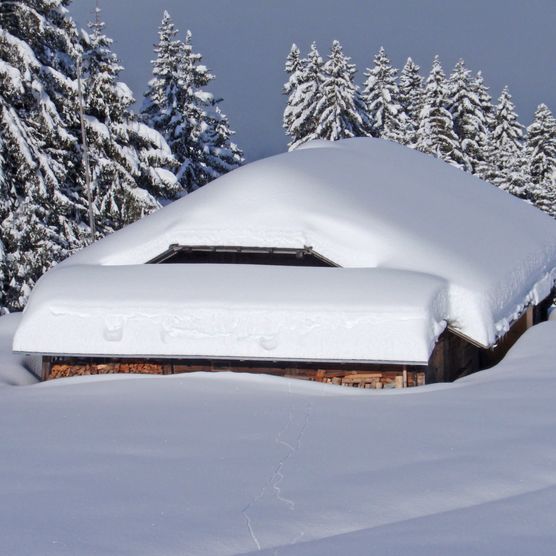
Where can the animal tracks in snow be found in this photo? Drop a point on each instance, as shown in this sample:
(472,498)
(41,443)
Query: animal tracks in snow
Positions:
(289,437)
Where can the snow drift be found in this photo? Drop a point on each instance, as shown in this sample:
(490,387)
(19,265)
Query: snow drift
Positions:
(227,464)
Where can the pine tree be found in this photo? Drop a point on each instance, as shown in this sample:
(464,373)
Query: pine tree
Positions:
(162,96)
(485,101)
(411,98)
(3,215)
(188,116)
(541,155)
(382,100)
(295,68)
(469,119)
(44,213)
(340,111)
(504,164)
(128,182)
(304,90)
(211,153)
(435,134)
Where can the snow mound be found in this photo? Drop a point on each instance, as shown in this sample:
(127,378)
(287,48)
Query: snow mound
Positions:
(15,370)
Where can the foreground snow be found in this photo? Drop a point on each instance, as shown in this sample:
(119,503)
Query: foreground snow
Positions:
(224,464)
(15,369)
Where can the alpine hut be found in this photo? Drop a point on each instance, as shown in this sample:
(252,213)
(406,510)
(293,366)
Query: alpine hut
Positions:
(358,262)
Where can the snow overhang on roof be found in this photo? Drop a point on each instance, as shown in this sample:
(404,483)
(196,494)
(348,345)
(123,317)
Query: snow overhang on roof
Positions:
(243,311)
(364,203)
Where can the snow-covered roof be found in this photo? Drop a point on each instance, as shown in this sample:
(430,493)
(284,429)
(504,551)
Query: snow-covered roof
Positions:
(257,312)
(363,203)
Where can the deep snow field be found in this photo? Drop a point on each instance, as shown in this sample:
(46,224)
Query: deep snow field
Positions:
(228,464)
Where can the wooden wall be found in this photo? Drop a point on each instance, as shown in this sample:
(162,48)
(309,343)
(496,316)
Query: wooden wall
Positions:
(353,375)
(452,358)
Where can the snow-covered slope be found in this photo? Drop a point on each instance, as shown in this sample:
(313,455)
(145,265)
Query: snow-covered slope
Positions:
(15,369)
(226,464)
(361,203)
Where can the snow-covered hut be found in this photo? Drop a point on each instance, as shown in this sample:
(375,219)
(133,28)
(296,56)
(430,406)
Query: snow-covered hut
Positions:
(354,261)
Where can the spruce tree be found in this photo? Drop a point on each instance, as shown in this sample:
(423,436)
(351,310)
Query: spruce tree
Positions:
(212,153)
(304,90)
(189,118)
(340,111)
(435,134)
(469,120)
(504,161)
(44,212)
(382,100)
(161,98)
(485,101)
(295,68)
(411,98)
(541,156)
(3,214)
(129,181)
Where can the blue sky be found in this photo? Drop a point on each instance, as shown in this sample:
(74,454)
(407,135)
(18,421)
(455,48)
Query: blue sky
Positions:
(245,42)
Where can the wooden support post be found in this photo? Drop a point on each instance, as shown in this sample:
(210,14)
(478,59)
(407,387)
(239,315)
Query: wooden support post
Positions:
(530,318)
(404,375)
(46,367)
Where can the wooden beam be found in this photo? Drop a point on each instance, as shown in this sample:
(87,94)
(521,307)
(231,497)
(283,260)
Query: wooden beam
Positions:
(46,367)
(530,318)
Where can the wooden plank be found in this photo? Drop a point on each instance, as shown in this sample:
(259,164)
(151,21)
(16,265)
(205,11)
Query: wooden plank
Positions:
(46,366)
(530,317)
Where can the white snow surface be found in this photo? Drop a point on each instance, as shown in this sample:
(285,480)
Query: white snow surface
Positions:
(363,203)
(227,464)
(15,370)
(260,312)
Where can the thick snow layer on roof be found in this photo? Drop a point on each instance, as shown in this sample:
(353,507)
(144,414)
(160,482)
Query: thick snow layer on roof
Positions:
(367,203)
(259,312)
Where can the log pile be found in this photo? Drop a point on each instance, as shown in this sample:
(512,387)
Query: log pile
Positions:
(59,370)
(378,380)
(375,379)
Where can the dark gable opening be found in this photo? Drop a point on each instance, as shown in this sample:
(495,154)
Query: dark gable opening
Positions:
(277,256)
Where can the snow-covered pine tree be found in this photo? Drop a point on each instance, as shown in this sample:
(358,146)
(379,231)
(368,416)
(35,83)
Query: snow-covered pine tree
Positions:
(220,154)
(161,98)
(130,165)
(340,111)
(469,120)
(188,116)
(304,90)
(3,215)
(411,98)
(541,156)
(504,164)
(485,101)
(45,213)
(382,100)
(295,68)
(435,134)
(212,153)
